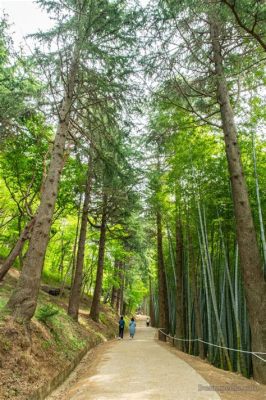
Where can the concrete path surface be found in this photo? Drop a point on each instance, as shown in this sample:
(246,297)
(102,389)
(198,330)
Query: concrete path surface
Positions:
(138,369)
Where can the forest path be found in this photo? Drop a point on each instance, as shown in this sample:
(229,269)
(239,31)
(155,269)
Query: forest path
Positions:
(138,369)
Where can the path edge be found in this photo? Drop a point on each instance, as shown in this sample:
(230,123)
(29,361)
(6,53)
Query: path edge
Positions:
(48,387)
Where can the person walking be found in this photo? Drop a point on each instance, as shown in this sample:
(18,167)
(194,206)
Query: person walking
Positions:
(121,327)
(132,328)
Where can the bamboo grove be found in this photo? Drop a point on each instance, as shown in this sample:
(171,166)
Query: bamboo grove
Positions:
(206,191)
(167,212)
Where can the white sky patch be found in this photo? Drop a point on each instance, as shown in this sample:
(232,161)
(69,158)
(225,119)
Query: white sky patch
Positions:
(25,17)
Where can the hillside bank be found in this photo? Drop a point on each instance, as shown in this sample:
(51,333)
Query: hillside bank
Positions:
(39,356)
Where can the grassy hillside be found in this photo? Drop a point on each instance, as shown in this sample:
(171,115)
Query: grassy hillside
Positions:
(30,357)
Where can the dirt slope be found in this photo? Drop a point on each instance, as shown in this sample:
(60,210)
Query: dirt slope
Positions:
(29,359)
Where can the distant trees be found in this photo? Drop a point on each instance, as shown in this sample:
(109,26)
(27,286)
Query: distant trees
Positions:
(74,299)
(117,202)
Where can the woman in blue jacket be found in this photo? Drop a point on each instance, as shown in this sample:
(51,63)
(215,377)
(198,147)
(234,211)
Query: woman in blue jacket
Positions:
(132,328)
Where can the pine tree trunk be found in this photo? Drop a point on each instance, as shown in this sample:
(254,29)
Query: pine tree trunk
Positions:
(122,286)
(25,235)
(251,265)
(95,306)
(179,331)
(118,295)
(73,307)
(152,316)
(113,296)
(23,300)
(74,254)
(114,289)
(163,298)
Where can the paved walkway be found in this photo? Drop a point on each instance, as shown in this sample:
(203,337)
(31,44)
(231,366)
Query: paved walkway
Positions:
(138,369)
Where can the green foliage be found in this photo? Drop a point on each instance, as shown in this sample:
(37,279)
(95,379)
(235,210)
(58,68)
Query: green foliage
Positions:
(18,88)
(250,16)
(46,312)
(2,304)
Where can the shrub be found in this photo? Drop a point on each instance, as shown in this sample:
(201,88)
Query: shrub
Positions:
(46,312)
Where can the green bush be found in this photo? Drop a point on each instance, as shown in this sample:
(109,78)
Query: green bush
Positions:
(46,312)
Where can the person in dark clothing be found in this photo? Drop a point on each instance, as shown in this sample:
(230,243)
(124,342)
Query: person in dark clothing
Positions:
(121,327)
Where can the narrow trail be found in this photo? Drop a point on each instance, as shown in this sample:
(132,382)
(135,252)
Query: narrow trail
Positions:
(138,369)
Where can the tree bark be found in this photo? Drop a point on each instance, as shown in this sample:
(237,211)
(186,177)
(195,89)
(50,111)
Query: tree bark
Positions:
(74,299)
(152,314)
(25,235)
(250,261)
(118,295)
(122,286)
(95,306)
(113,296)
(163,298)
(74,254)
(23,300)
(114,289)
(179,331)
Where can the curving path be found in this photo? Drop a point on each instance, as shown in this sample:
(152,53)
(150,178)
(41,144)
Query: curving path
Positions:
(138,369)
